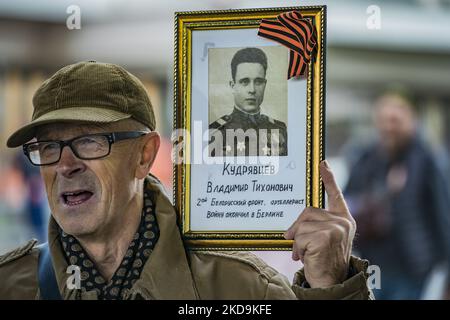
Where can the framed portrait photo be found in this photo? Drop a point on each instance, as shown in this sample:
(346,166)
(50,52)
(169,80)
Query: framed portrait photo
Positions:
(249,116)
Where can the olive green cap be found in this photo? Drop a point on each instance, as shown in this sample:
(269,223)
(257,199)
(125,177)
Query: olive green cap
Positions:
(88,91)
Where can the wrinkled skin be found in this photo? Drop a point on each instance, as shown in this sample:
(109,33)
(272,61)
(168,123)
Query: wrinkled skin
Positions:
(323,238)
(106,222)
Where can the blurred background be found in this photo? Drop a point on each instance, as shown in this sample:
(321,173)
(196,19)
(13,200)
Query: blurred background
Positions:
(372,46)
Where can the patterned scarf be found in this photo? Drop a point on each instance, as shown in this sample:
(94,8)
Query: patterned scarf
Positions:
(132,264)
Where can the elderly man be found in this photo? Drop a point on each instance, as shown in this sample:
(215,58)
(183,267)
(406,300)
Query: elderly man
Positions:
(95,143)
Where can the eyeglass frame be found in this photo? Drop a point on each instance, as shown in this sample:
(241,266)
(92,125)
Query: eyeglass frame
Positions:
(112,137)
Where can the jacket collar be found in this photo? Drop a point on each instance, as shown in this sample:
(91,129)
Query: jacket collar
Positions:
(242,114)
(166,274)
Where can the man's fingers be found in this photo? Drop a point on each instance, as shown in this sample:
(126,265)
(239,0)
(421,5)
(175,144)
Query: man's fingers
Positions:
(289,234)
(307,227)
(296,252)
(300,245)
(310,214)
(336,202)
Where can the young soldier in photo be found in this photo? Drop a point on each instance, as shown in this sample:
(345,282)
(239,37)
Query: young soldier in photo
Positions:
(247,131)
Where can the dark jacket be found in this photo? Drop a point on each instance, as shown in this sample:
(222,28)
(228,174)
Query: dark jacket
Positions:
(405,230)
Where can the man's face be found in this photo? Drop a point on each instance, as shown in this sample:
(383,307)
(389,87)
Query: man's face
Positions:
(248,86)
(88,197)
(395,122)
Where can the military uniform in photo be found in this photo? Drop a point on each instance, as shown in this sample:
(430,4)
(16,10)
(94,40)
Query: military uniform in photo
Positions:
(270,134)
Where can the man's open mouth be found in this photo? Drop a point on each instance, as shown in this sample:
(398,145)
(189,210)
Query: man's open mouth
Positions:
(74,198)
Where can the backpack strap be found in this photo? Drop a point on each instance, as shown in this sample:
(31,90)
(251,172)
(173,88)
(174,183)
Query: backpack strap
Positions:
(48,287)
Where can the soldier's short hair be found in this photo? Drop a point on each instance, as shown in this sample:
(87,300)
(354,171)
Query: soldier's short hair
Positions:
(252,55)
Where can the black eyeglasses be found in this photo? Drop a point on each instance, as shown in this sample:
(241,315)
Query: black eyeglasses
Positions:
(86,147)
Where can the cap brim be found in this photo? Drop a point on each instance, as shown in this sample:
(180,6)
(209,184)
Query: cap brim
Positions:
(75,114)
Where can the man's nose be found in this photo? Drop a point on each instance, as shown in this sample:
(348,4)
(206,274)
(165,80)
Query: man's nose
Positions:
(251,87)
(69,165)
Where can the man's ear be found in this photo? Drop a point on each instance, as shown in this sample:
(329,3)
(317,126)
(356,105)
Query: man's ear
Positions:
(231,84)
(150,146)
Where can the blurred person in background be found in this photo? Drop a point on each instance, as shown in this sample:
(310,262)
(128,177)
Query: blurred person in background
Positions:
(400,201)
(36,208)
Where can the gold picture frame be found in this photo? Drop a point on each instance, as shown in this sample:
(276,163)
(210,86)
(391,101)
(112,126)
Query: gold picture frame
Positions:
(187,25)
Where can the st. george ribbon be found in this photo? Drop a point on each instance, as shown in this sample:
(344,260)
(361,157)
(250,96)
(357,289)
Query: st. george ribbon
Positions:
(295,32)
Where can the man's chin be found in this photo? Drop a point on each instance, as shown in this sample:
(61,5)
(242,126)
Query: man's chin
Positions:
(76,226)
(250,108)
(78,231)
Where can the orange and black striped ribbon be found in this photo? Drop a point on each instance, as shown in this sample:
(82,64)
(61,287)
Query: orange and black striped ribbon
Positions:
(295,32)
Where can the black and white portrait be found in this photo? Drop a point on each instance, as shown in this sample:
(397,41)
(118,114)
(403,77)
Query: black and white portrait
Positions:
(247,131)
(247,92)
